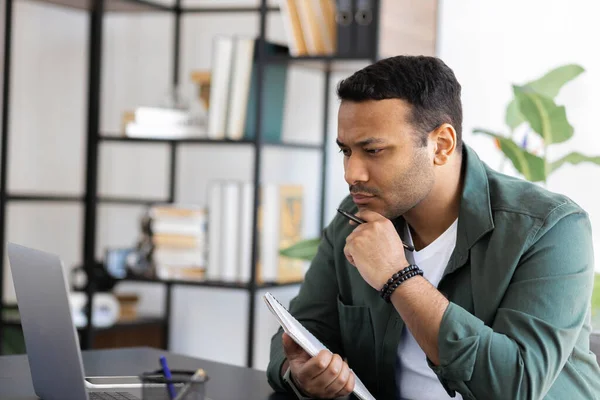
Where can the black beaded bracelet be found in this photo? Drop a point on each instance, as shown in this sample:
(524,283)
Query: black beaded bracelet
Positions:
(392,284)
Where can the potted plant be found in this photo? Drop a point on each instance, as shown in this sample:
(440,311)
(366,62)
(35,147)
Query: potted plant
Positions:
(536,122)
(533,115)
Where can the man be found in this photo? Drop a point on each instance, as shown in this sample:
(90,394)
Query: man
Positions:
(502,310)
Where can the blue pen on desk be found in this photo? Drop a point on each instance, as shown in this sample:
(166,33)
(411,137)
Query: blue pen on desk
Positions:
(168,377)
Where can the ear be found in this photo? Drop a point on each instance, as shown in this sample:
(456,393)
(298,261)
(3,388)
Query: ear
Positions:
(444,140)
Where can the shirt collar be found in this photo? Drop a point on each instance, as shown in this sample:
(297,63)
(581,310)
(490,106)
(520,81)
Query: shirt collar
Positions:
(475,215)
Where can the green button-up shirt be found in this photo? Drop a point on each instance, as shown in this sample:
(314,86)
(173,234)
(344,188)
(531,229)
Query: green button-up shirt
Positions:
(519,284)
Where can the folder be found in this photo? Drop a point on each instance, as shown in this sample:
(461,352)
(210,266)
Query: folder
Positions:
(365,26)
(345,27)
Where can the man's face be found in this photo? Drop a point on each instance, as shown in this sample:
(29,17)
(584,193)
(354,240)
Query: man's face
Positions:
(385,165)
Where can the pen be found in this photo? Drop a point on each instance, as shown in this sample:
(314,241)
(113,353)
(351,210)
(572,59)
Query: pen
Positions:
(362,221)
(168,377)
(199,374)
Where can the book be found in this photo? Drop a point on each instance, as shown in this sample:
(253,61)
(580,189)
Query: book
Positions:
(223,52)
(293,27)
(229,240)
(305,339)
(279,226)
(313,28)
(273,93)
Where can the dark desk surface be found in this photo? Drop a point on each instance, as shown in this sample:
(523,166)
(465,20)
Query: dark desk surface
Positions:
(227,382)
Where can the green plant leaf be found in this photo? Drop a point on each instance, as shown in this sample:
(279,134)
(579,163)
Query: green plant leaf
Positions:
(514,118)
(573,158)
(544,116)
(596,293)
(529,165)
(304,249)
(550,84)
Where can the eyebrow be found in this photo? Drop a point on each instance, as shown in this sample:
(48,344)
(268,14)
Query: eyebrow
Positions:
(364,142)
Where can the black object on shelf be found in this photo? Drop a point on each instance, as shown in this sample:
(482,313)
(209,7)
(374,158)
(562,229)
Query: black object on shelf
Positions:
(97,9)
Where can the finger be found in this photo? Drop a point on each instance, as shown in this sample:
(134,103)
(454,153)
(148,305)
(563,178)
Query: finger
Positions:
(316,366)
(331,373)
(349,387)
(292,349)
(339,384)
(358,230)
(369,215)
(348,255)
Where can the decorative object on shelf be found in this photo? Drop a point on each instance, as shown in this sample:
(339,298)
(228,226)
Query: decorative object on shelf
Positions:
(117,261)
(201,79)
(105,309)
(533,107)
(128,303)
(303,250)
(103,280)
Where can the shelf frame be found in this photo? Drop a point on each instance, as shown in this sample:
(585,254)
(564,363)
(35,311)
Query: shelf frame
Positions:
(4,144)
(141,6)
(97,9)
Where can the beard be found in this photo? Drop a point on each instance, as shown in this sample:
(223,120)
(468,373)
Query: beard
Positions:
(407,188)
(411,186)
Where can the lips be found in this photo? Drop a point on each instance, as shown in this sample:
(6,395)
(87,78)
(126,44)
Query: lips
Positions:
(361,198)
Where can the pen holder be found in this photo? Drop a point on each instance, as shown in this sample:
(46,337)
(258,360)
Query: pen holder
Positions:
(183,385)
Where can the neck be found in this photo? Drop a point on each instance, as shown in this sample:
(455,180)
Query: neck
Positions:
(434,214)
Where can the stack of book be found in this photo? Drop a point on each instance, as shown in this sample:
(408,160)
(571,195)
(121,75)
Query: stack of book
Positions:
(234,87)
(230,229)
(163,123)
(310,26)
(178,235)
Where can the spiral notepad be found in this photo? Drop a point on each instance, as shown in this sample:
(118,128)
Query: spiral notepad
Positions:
(305,339)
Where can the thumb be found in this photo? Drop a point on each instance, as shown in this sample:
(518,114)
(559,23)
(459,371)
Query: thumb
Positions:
(292,349)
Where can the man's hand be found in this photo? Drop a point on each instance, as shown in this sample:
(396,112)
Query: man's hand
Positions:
(375,249)
(325,376)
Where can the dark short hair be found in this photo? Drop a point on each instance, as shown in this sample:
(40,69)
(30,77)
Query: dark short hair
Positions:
(426,83)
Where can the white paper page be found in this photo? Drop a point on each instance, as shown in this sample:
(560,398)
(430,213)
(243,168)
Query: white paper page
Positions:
(305,339)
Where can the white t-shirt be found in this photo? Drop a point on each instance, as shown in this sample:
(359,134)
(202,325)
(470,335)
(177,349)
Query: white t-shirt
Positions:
(414,377)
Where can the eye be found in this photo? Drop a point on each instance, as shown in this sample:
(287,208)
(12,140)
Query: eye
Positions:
(373,151)
(346,152)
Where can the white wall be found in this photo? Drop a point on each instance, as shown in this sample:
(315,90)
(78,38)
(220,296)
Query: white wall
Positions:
(491,45)
(47,152)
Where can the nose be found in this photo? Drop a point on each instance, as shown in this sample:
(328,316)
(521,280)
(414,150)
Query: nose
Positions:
(355,170)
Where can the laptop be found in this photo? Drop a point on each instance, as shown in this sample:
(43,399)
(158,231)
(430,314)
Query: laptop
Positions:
(50,335)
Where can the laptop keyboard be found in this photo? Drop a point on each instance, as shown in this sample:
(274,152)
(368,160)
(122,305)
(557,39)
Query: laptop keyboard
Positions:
(112,396)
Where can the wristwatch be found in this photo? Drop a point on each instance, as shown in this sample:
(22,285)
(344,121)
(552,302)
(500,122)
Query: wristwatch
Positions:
(287,378)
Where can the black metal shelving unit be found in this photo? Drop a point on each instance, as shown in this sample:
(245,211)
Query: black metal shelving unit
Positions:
(90,199)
